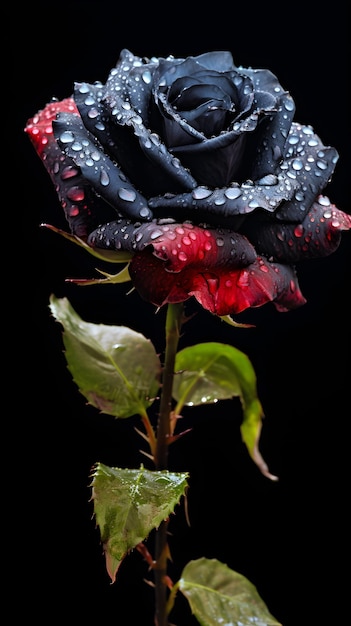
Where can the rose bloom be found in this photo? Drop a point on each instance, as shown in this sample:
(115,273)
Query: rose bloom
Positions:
(196,168)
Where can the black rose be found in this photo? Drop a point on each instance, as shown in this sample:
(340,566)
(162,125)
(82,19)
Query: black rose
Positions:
(196,168)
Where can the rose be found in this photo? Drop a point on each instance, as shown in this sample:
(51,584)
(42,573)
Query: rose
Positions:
(196,168)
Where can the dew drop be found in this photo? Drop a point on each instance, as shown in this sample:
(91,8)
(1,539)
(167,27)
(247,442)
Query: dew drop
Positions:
(299,196)
(293,139)
(69,172)
(156,233)
(93,113)
(289,104)
(104,178)
(146,76)
(83,88)
(201,192)
(219,200)
(244,279)
(269,179)
(297,164)
(232,193)
(144,212)
(180,230)
(127,194)
(67,137)
(298,230)
(323,201)
(182,256)
(77,146)
(76,194)
(73,210)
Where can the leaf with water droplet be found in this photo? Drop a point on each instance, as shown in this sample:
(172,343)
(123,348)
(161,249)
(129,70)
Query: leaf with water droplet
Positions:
(116,369)
(129,504)
(219,595)
(212,371)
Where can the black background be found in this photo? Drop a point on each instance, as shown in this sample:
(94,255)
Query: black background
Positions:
(290,537)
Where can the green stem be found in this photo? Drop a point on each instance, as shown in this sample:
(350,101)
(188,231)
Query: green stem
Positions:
(174,321)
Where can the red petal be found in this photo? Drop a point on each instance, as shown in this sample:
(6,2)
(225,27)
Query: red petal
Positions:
(234,291)
(183,246)
(220,290)
(39,127)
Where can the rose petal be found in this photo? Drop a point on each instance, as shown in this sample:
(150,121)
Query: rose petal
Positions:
(311,164)
(268,144)
(152,166)
(219,60)
(228,293)
(220,291)
(318,235)
(39,127)
(209,205)
(121,143)
(83,209)
(177,245)
(98,169)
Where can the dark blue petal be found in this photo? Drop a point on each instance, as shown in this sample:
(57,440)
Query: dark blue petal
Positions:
(106,178)
(209,205)
(167,172)
(310,164)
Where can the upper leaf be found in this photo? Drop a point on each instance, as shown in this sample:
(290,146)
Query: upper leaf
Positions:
(213,371)
(115,368)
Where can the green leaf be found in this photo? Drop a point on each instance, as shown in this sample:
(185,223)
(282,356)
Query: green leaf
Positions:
(208,372)
(229,320)
(116,369)
(129,503)
(219,595)
(121,277)
(111,256)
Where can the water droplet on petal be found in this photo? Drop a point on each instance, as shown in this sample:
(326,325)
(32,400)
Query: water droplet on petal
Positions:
(67,137)
(298,230)
(144,212)
(76,194)
(127,194)
(201,192)
(232,193)
(146,76)
(104,178)
(297,164)
(182,256)
(156,233)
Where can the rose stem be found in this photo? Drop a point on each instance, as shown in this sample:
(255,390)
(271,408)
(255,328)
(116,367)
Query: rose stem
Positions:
(174,321)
